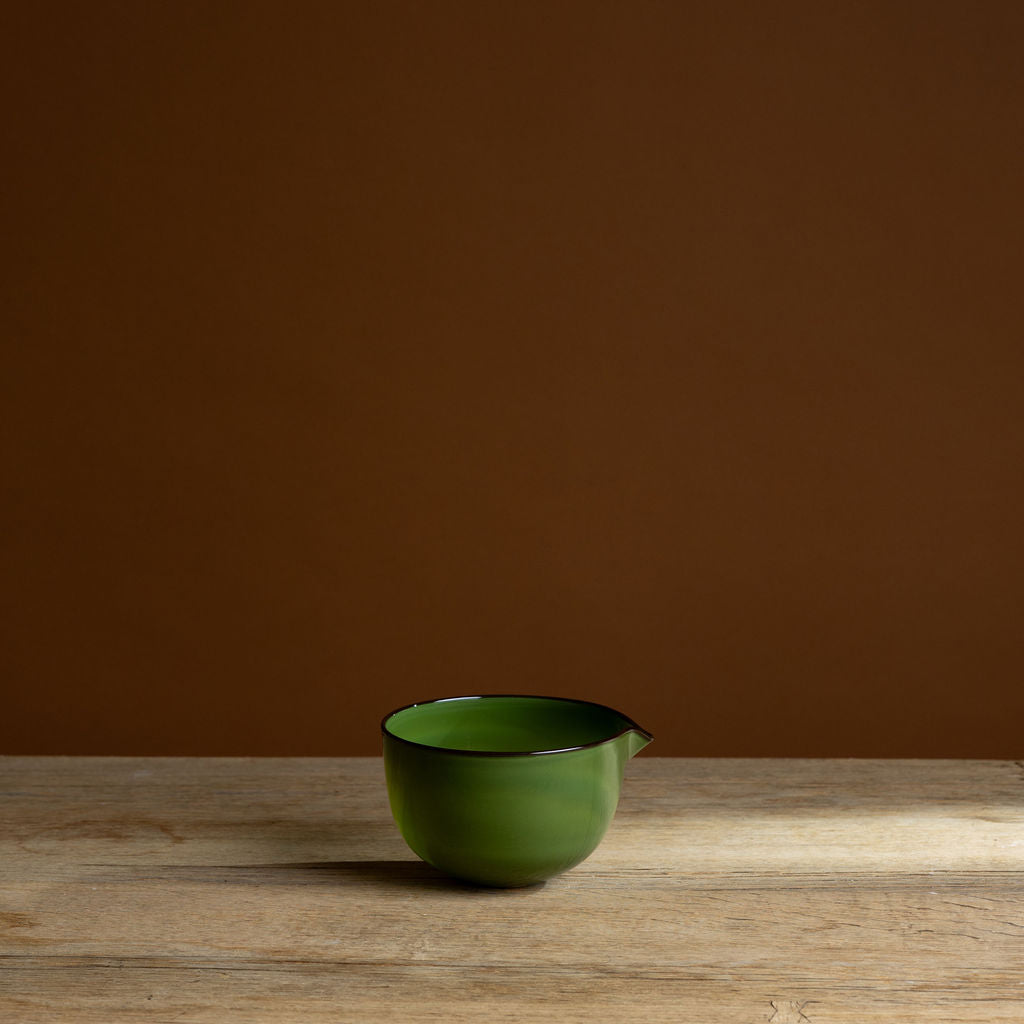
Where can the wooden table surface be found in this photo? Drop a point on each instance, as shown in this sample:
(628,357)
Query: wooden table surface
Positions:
(731,891)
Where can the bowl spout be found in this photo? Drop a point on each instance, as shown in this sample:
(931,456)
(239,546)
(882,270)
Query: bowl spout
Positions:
(634,740)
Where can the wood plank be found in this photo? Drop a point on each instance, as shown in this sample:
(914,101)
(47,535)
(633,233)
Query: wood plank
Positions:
(725,890)
(294,993)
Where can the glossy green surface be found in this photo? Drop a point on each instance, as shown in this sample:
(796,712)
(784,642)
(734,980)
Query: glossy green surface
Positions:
(506,791)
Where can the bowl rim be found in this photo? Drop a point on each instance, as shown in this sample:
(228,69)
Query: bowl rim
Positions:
(630,726)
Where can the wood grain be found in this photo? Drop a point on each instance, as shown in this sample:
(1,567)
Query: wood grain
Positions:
(731,891)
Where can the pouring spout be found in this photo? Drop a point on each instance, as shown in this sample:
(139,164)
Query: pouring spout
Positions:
(635,740)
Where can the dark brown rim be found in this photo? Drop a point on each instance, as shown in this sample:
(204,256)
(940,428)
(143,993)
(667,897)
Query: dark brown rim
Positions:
(631,726)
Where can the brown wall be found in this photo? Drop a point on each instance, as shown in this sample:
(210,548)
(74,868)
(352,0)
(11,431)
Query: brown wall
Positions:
(665,354)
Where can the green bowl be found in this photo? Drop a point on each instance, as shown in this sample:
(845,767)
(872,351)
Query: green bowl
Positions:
(506,790)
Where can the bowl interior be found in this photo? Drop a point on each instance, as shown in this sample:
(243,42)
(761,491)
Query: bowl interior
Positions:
(499,724)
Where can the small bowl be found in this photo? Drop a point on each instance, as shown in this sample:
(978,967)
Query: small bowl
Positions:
(506,790)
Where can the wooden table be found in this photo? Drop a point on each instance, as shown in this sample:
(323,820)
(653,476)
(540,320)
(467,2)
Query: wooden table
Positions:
(733,891)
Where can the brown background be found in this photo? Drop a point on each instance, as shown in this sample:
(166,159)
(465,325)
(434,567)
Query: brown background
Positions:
(664,354)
